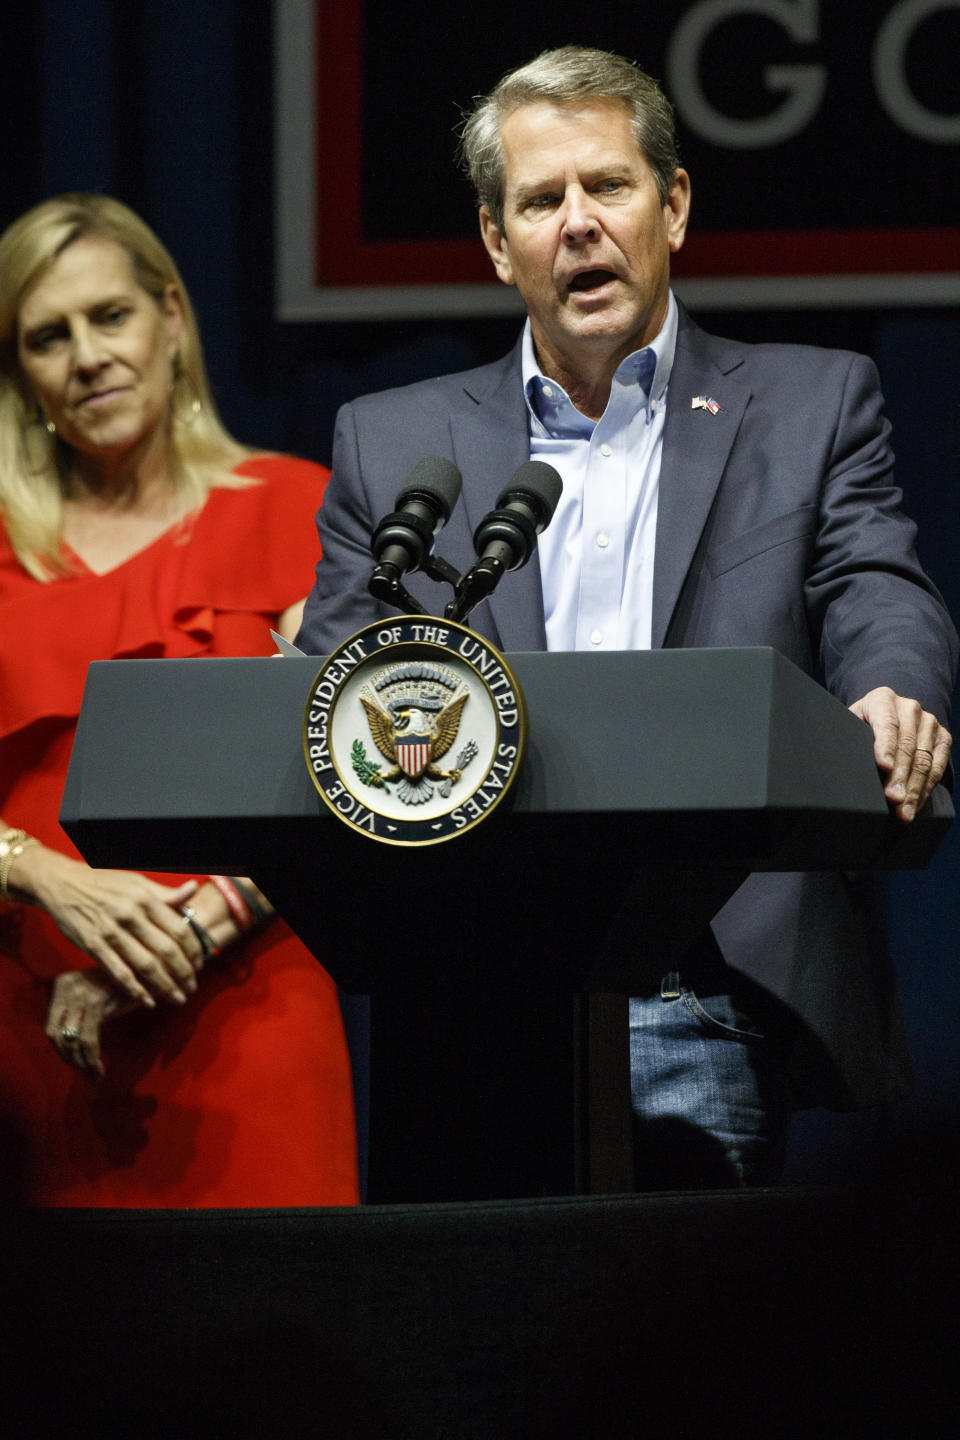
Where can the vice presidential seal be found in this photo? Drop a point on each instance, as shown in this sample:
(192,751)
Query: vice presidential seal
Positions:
(414,730)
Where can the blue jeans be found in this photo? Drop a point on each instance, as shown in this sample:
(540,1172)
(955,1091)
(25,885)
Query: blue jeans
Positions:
(709,1081)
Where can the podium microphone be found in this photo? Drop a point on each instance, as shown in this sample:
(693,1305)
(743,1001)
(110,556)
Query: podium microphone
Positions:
(507,537)
(404,539)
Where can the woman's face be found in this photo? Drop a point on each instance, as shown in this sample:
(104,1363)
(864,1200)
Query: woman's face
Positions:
(97,350)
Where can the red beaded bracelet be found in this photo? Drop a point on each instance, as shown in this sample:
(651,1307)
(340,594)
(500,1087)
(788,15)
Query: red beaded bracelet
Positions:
(237,905)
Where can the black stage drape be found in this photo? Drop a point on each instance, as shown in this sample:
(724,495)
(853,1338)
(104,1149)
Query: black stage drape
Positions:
(778,1313)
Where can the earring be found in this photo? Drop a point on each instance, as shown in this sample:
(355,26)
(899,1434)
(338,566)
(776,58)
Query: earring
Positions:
(41,420)
(187,403)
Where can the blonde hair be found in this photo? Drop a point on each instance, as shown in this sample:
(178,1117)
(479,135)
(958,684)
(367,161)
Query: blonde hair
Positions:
(33,463)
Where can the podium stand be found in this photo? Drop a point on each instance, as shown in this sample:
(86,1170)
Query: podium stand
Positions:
(654,782)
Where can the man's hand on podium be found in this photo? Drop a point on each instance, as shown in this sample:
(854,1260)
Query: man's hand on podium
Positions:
(911,747)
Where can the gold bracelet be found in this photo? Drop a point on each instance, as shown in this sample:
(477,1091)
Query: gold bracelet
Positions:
(12,844)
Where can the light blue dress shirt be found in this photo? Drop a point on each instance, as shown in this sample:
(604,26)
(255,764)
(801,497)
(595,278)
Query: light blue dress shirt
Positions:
(596,556)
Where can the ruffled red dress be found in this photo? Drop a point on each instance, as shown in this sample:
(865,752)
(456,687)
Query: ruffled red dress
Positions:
(242,1097)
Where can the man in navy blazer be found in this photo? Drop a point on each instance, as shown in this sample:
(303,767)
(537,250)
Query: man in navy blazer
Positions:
(763,476)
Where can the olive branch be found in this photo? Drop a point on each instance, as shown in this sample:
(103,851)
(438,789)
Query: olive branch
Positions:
(366,772)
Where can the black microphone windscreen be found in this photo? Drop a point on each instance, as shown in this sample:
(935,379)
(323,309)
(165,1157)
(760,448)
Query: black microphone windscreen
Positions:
(436,477)
(537,480)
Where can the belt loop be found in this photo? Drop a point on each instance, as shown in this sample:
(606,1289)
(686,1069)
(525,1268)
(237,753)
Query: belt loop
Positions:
(670,986)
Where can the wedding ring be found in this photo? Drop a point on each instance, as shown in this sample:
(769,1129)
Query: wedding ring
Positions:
(69,1034)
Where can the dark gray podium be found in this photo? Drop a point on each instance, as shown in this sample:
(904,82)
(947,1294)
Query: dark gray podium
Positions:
(654,782)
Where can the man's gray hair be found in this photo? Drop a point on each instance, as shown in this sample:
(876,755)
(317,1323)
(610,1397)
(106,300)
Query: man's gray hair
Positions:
(565,76)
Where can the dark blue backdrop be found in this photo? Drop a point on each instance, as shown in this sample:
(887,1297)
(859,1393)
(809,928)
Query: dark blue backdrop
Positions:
(169,106)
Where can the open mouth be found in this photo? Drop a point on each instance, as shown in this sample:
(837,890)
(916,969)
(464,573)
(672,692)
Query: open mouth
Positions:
(591,279)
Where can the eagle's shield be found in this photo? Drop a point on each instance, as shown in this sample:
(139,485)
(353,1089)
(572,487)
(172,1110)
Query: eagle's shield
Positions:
(413,752)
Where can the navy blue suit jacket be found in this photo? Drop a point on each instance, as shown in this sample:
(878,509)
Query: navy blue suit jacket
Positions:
(779,525)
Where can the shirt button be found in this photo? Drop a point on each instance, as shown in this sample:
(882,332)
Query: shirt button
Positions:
(603,540)
(596,637)
(548,391)
(605,450)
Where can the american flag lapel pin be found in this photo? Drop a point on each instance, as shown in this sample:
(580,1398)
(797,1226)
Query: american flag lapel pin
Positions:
(704,402)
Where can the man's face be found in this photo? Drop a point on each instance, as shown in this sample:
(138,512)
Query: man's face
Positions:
(585,238)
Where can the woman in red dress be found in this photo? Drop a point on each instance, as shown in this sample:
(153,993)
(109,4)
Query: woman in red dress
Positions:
(164,1040)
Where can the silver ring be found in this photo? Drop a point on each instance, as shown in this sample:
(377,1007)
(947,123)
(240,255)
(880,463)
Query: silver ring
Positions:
(69,1034)
(922,750)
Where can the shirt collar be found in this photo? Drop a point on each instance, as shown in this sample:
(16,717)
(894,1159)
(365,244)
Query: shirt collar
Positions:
(636,366)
